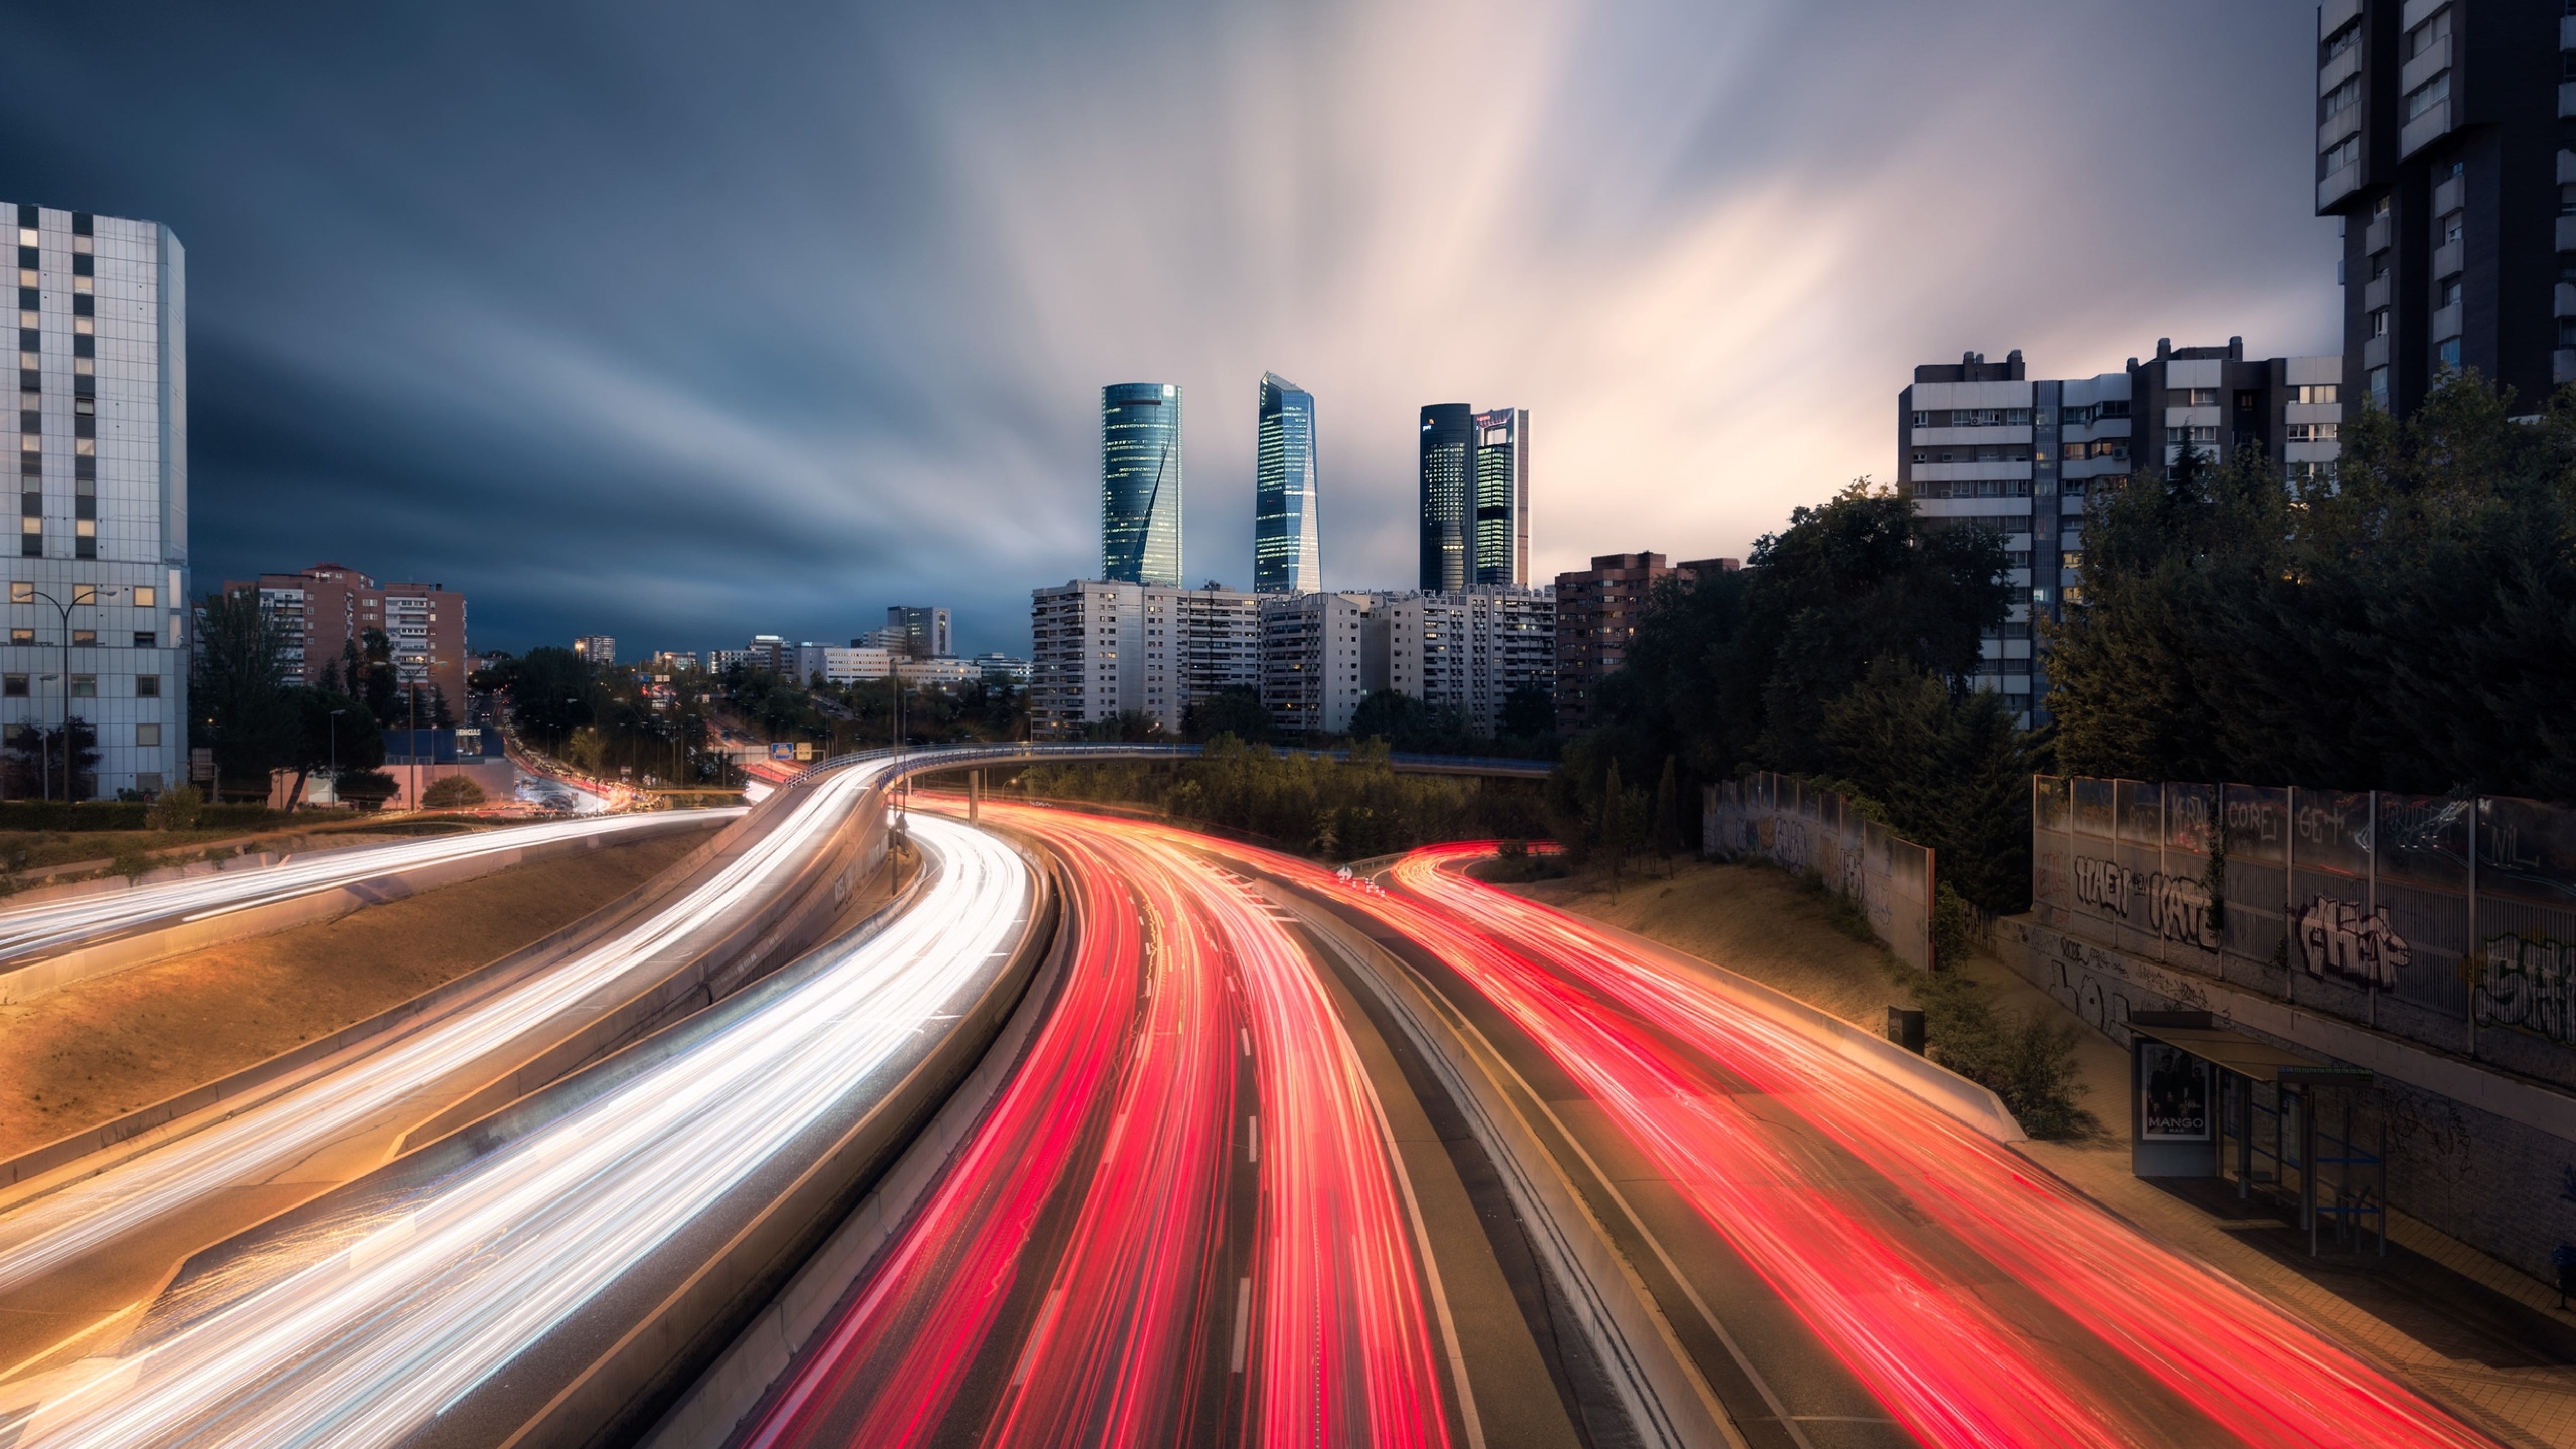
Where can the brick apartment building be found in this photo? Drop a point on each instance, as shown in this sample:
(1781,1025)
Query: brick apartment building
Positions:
(329,606)
(1597,613)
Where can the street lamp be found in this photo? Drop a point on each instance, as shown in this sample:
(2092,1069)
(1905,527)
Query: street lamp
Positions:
(335,757)
(94,594)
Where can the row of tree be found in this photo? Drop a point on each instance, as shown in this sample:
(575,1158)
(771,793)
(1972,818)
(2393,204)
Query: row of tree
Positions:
(257,722)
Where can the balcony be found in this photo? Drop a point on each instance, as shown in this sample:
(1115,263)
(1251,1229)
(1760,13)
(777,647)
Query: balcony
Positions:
(2567,98)
(2374,293)
(2374,237)
(2566,300)
(2339,183)
(2449,195)
(2435,123)
(2567,233)
(2332,15)
(2562,367)
(2447,260)
(2432,61)
(2338,70)
(2446,322)
(2374,352)
(2567,32)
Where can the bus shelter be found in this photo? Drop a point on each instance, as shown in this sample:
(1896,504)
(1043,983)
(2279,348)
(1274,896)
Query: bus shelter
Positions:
(2209,1101)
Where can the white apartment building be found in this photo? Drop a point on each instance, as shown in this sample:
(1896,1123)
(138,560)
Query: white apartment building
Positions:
(99,580)
(1468,650)
(1320,654)
(1102,649)
(841,664)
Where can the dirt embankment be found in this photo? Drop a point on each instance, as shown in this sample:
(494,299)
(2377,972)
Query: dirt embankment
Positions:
(96,1050)
(1750,919)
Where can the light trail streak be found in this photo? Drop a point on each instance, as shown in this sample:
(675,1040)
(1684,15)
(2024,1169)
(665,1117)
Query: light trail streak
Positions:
(1140,1055)
(49,926)
(87,1214)
(2257,1375)
(368,1345)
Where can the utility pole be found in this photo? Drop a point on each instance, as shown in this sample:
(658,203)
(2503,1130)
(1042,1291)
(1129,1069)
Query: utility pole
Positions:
(335,757)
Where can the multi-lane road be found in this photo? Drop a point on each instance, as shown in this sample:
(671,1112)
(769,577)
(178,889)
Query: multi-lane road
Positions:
(1278,1157)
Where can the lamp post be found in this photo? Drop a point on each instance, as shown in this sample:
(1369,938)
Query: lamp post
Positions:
(335,757)
(66,611)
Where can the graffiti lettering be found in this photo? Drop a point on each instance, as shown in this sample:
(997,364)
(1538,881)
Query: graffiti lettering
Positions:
(2104,884)
(2340,937)
(2256,820)
(2526,985)
(2178,908)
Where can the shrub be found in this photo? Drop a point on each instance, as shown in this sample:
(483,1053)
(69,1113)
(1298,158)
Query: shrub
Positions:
(1954,928)
(2028,1061)
(177,809)
(456,792)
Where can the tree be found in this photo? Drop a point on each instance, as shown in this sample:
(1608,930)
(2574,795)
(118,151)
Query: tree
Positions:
(374,680)
(36,761)
(550,691)
(1945,769)
(436,710)
(1667,833)
(1237,712)
(1386,714)
(2403,625)
(365,789)
(351,740)
(1529,713)
(239,692)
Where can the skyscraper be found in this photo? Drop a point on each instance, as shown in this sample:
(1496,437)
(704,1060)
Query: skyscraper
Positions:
(98,587)
(1287,557)
(1448,477)
(1140,483)
(1501,541)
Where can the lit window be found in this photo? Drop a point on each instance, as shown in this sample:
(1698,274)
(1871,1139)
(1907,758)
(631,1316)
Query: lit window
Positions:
(84,594)
(146,596)
(21,592)
(83,638)
(22,636)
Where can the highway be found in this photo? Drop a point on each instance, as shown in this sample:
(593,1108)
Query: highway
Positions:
(31,931)
(362,1330)
(1180,1221)
(85,1244)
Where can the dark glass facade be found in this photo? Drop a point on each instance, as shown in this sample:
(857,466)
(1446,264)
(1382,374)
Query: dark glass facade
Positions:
(1140,483)
(1287,557)
(1448,477)
(1501,537)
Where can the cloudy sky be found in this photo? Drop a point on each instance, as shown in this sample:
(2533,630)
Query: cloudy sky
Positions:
(685,322)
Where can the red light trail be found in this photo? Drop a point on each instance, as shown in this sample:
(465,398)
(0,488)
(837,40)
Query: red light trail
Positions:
(1174,967)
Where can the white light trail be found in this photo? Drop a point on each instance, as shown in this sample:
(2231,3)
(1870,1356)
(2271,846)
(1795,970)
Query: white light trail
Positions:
(49,926)
(366,1345)
(263,1140)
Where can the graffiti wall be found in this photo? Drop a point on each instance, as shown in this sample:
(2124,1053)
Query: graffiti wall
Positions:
(1799,828)
(2437,917)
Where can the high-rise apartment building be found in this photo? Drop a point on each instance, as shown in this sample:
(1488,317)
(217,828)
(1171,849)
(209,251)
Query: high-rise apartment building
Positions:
(922,631)
(1447,471)
(1320,655)
(1597,613)
(597,650)
(1981,444)
(1500,544)
(97,590)
(325,612)
(1101,649)
(1287,552)
(1140,483)
(2445,146)
(1467,651)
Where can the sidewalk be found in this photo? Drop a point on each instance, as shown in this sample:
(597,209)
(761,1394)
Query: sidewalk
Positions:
(2448,1321)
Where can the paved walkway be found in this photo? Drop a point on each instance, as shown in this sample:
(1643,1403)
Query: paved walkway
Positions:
(2458,1326)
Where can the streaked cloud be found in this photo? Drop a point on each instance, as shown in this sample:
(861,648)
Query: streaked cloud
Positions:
(697,322)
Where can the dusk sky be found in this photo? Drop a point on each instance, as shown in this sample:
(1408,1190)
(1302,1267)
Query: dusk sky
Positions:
(688,322)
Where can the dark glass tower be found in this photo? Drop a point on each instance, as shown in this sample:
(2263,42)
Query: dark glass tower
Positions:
(1287,558)
(1448,476)
(1140,483)
(1501,538)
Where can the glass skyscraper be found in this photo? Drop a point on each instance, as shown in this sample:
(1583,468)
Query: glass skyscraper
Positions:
(1501,540)
(1140,483)
(1287,557)
(1448,475)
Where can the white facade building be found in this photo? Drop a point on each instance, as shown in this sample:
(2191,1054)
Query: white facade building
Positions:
(840,664)
(1467,651)
(1104,649)
(1320,654)
(98,586)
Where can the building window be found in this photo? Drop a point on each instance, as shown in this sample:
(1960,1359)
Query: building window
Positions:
(146,639)
(147,686)
(13,686)
(146,596)
(147,736)
(84,594)
(2201,397)
(84,638)
(2449,227)
(2340,99)
(84,686)
(22,636)
(2312,432)
(2322,393)
(2435,29)
(2379,385)
(31,538)
(2379,323)
(2447,355)
(22,593)
(2341,41)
